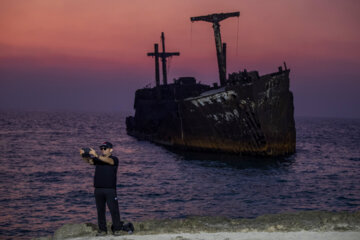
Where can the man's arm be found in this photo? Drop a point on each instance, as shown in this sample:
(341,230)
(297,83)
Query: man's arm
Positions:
(102,158)
(106,159)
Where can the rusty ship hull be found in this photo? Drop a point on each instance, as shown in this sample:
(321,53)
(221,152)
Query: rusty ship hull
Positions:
(253,116)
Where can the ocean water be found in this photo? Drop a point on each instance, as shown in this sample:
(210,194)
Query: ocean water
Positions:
(45,184)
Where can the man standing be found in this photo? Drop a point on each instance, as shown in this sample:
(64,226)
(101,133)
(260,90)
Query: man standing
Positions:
(105,176)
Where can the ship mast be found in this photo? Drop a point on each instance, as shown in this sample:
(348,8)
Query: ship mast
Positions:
(220,48)
(163,55)
(156,55)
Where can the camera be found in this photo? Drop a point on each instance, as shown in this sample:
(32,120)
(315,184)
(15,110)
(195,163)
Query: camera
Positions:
(86,153)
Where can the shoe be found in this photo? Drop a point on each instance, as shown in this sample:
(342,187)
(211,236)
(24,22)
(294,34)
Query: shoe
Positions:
(101,233)
(129,227)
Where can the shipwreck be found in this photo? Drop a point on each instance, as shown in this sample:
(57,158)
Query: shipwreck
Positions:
(245,113)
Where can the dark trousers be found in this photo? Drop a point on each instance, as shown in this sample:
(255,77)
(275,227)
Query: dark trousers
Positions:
(108,196)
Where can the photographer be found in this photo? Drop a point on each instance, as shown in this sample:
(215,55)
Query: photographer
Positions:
(105,176)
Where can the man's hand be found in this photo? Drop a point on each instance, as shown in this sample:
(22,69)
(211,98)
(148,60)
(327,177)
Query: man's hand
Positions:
(88,160)
(81,151)
(93,152)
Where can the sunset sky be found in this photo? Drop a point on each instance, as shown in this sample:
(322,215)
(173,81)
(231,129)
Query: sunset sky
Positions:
(90,55)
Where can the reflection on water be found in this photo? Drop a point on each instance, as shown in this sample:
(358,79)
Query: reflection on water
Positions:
(44,184)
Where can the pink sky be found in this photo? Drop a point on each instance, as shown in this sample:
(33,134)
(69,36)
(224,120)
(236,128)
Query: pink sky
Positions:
(54,53)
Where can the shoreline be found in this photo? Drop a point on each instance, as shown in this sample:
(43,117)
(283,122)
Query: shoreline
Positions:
(303,225)
(238,236)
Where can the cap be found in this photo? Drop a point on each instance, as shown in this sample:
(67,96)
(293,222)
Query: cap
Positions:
(107,145)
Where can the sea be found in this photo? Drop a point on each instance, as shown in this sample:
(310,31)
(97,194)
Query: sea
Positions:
(44,183)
